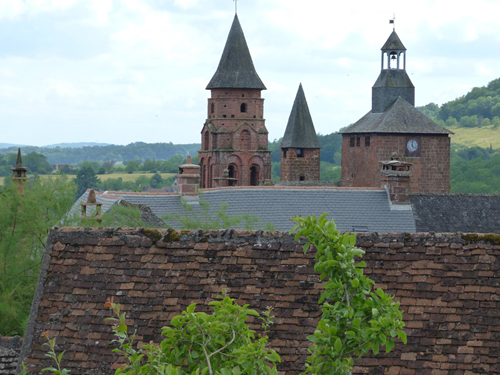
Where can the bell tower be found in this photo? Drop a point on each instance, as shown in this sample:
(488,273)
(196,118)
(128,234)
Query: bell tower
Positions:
(234,139)
(395,127)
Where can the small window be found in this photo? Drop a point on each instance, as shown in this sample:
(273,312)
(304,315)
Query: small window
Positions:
(284,153)
(358,141)
(213,108)
(232,116)
(300,152)
(367,141)
(242,95)
(225,106)
(224,116)
(351,142)
(243,107)
(302,178)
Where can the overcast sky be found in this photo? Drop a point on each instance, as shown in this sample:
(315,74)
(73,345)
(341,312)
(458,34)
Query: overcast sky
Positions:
(121,71)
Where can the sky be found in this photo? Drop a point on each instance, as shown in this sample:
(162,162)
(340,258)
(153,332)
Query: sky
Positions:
(123,71)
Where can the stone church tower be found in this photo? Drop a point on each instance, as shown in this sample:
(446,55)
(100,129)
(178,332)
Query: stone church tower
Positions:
(300,148)
(394,128)
(234,139)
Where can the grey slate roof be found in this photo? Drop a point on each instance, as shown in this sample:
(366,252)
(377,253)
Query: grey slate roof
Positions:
(353,210)
(393,78)
(393,43)
(456,213)
(236,69)
(300,132)
(400,117)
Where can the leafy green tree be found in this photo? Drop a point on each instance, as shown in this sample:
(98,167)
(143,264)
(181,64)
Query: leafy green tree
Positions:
(25,221)
(156,181)
(355,318)
(86,179)
(132,166)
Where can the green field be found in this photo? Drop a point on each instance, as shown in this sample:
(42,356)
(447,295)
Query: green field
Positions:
(482,137)
(124,176)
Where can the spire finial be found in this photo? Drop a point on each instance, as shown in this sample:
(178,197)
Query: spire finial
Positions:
(19,161)
(393,21)
(235,6)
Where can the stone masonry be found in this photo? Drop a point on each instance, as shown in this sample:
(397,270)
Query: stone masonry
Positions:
(305,168)
(448,286)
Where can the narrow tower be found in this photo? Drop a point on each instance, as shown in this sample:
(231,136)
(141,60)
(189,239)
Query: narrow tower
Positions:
(234,138)
(395,127)
(300,148)
(19,173)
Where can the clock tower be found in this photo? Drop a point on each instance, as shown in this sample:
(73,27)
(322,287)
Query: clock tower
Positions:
(395,127)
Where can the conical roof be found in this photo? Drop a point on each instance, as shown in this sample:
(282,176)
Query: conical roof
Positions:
(300,132)
(236,68)
(393,43)
(19,161)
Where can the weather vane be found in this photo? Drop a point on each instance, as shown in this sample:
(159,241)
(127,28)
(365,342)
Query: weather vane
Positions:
(393,21)
(235,6)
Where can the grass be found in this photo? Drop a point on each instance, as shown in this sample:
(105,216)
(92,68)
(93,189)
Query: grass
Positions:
(104,177)
(482,137)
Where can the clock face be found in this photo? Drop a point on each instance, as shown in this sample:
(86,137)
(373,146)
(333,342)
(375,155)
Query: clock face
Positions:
(412,145)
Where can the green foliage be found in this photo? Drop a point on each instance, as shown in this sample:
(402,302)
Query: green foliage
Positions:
(86,179)
(156,181)
(355,319)
(329,172)
(121,216)
(202,218)
(475,170)
(37,163)
(199,343)
(25,221)
(57,358)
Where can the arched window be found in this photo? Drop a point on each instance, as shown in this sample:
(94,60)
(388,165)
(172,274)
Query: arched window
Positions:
(233,173)
(254,175)
(245,140)
(205,141)
(212,109)
(243,107)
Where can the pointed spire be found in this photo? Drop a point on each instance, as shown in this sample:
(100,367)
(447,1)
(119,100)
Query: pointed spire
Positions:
(19,162)
(236,69)
(300,132)
(393,43)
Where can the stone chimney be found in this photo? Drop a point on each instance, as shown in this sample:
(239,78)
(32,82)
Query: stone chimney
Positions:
(189,179)
(395,177)
(19,173)
(91,202)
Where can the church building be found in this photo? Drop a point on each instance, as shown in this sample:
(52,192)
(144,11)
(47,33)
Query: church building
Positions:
(234,140)
(395,129)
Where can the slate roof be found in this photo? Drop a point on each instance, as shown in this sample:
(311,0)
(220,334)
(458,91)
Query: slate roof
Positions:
(361,210)
(300,132)
(10,347)
(456,213)
(400,117)
(236,69)
(393,78)
(393,43)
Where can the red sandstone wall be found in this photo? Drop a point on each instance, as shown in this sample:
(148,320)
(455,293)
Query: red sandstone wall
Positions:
(238,138)
(430,171)
(448,286)
(292,167)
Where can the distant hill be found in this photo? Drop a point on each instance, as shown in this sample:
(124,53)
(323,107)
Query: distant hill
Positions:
(135,151)
(77,145)
(474,117)
(10,145)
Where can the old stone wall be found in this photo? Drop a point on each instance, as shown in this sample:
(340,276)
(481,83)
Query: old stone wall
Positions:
(430,172)
(448,286)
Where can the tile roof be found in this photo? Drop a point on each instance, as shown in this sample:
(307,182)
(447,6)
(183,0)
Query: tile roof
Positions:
(300,132)
(10,348)
(400,117)
(456,212)
(236,69)
(448,287)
